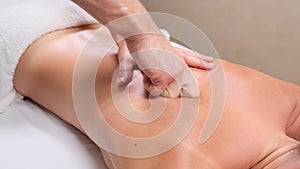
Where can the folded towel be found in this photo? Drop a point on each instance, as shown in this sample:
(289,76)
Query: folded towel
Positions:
(23,22)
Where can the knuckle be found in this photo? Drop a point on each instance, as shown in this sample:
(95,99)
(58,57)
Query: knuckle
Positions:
(126,66)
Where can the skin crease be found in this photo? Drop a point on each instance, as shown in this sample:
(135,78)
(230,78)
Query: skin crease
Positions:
(253,131)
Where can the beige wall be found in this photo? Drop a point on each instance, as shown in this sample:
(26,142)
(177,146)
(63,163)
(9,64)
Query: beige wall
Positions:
(262,34)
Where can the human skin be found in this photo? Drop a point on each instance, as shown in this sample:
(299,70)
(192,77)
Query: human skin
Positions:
(259,127)
(130,23)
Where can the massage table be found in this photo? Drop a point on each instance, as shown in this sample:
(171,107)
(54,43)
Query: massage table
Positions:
(33,138)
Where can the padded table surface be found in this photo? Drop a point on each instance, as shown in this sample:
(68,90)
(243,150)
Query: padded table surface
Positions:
(33,138)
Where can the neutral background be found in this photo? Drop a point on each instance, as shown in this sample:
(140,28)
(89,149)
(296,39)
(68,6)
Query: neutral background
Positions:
(264,35)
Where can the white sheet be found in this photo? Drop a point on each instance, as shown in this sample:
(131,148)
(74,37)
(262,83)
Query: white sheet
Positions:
(33,138)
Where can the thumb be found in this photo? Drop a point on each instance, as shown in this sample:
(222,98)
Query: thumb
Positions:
(126,64)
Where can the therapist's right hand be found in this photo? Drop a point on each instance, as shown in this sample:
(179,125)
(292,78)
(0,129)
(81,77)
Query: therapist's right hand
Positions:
(165,71)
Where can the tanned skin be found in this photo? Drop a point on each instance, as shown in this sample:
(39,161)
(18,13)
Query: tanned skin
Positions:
(259,128)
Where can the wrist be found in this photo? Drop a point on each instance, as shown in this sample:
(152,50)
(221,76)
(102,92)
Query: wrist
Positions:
(145,41)
(133,25)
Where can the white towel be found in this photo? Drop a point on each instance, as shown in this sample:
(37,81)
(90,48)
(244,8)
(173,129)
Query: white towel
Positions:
(24,21)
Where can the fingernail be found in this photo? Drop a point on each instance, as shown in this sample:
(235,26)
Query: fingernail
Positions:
(209,58)
(210,65)
(122,78)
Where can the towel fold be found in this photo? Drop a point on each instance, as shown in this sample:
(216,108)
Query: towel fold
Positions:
(23,22)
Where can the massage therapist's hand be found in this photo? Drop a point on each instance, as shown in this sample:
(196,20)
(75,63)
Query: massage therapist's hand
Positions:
(155,55)
(127,63)
(130,20)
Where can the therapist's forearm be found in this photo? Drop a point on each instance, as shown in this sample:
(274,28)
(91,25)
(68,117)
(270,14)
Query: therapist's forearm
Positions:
(106,11)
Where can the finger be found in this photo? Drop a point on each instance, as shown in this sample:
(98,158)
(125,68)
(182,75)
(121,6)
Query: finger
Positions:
(189,90)
(153,90)
(172,91)
(126,64)
(158,78)
(156,87)
(194,59)
(206,58)
(122,53)
(200,61)
(125,72)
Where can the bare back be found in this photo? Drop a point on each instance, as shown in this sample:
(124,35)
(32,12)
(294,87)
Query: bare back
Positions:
(257,110)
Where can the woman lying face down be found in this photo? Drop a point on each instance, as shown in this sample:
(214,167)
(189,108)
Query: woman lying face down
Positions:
(259,127)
